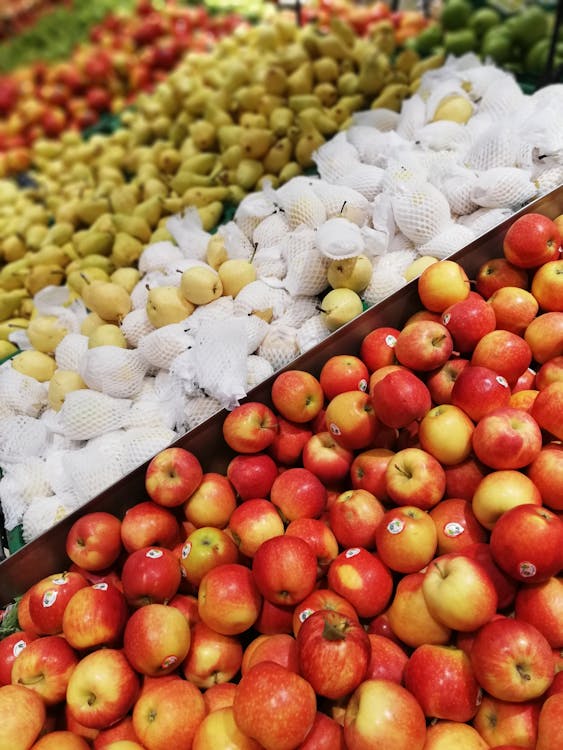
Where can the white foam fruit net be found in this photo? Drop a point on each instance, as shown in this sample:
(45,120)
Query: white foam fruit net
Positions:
(114,371)
(279,346)
(160,256)
(200,407)
(339,238)
(21,393)
(306,266)
(160,347)
(86,414)
(22,437)
(311,333)
(135,326)
(257,369)
(300,204)
(421,213)
(503,186)
(70,352)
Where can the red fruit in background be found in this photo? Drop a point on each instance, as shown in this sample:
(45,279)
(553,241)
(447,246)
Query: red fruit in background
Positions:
(462,480)
(550,726)
(95,616)
(149,524)
(456,525)
(497,273)
(378,348)
(99,99)
(550,372)
(98,67)
(479,390)
(360,577)
(515,308)
(527,543)
(319,536)
(279,647)
(545,336)
(546,472)
(504,352)
(531,240)
(9,93)
(400,398)
(507,723)
(423,345)
(504,584)
(298,493)
(387,659)
(333,653)
(351,420)
(541,604)
(250,427)
(48,599)
(321,599)
(325,734)
(441,381)
(468,321)
(172,476)
(150,575)
(289,441)
(274,706)
(53,121)
(342,373)
(94,541)
(367,471)
(354,516)
(507,439)
(10,647)
(297,395)
(228,599)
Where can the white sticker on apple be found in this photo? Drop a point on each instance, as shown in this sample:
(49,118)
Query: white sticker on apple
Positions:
(168,661)
(305,614)
(102,586)
(154,553)
(502,381)
(352,552)
(363,385)
(186,549)
(527,569)
(49,598)
(446,318)
(395,526)
(453,529)
(390,340)
(18,647)
(334,428)
(60,581)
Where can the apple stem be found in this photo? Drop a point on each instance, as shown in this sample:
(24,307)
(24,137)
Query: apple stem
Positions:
(440,571)
(335,631)
(36,679)
(522,672)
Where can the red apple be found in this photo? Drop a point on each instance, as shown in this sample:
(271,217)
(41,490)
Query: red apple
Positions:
(285,569)
(156,639)
(442,284)
(94,540)
(507,438)
(278,647)
(547,286)
(459,592)
(333,653)
(147,524)
(550,727)
(479,390)
(172,476)
(212,657)
(545,336)
(541,605)
(228,599)
(523,400)
(456,525)
(441,381)
(382,715)
(506,353)
(499,491)
(150,575)
(219,729)
(321,599)
(548,407)
(443,734)
(514,308)
(252,522)
(250,427)
(499,273)
(415,477)
(360,577)
(506,724)
(367,471)
(298,493)
(212,503)
(546,473)
(61,739)
(327,459)
(468,321)
(252,476)
(512,660)
(45,666)
(325,734)
(319,536)
(220,695)
(378,348)
(445,432)
(187,604)
(10,646)
(95,616)
(399,398)
(297,395)
(550,372)
(531,240)
(168,714)
(526,381)
(409,617)
(205,548)
(274,618)
(387,659)
(350,418)
(48,599)
(423,345)
(441,679)
(23,716)
(341,373)
(354,518)
(275,706)
(289,441)
(463,479)
(527,543)
(406,539)
(504,584)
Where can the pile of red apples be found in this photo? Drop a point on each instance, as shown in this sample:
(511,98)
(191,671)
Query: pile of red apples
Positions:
(378,567)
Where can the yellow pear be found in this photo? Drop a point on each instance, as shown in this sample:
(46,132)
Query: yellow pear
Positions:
(166,305)
(126,277)
(45,332)
(351,273)
(42,275)
(61,383)
(455,108)
(35,364)
(79,278)
(417,266)
(6,349)
(340,306)
(235,274)
(200,285)
(216,252)
(109,300)
(90,323)
(12,324)
(107,334)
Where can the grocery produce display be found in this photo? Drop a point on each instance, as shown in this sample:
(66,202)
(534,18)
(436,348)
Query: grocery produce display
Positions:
(372,543)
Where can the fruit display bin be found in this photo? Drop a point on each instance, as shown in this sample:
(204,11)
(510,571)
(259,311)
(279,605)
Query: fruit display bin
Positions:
(46,553)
